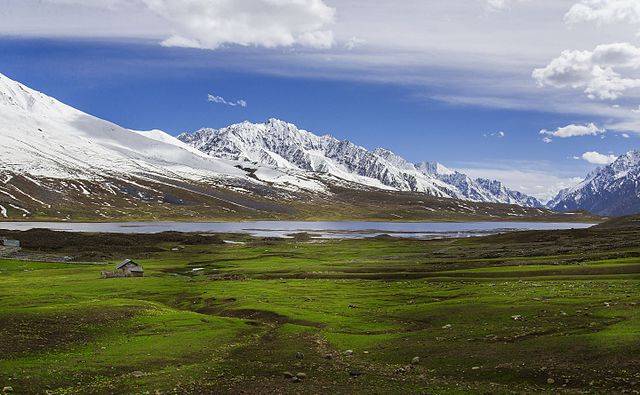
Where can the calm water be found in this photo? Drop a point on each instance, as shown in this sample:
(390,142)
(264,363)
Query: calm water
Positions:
(426,230)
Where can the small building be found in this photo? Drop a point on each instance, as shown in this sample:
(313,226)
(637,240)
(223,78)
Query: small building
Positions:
(127,268)
(130,268)
(10,243)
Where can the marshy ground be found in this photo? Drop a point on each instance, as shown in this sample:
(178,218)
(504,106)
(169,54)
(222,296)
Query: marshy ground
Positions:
(521,312)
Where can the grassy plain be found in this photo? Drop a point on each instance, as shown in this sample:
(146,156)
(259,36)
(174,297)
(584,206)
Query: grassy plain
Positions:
(525,312)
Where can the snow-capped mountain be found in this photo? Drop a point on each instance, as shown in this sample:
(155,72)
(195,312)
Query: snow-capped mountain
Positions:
(43,137)
(506,195)
(611,190)
(282,145)
(479,189)
(279,144)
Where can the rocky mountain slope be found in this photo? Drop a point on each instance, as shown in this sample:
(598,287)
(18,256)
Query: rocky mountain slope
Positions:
(611,190)
(282,145)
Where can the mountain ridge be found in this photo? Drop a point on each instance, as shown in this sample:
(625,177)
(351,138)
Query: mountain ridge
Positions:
(280,144)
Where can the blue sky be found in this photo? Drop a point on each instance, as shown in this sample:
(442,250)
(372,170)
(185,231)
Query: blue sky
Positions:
(378,89)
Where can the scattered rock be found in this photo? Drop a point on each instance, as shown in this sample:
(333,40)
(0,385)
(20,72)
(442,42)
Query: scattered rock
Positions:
(328,356)
(7,389)
(401,370)
(299,355)
(348,352)
(415,361)
(448,326)
(295,379)
(475,368)
(353,306)
(550,381)
(287,375)
(517,317)
(355,373)
(137,374)
(301,376)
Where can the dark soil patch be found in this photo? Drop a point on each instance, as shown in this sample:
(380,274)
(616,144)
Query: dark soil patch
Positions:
(268,317)
(27,333)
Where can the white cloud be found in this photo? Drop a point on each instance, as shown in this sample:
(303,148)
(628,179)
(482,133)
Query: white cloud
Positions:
(268,23)
(209,24)
(593,71)
(574,130)
(353,43)
(222,100)
(497,5)
(625,135)
(498,135)
(547,140)
(597,158)
(604,12)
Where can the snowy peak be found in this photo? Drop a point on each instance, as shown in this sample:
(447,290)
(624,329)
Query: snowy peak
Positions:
(624,164)
(18,97)
(498,189)
(283,145)
(434,168)
(610,190)
(393,159)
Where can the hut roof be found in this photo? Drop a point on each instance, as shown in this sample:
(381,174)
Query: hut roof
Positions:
(128,262)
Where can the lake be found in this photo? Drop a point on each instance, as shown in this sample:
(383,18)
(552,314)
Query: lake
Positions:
(339,229)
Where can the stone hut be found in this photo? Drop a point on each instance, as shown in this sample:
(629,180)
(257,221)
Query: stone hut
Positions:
(128,268)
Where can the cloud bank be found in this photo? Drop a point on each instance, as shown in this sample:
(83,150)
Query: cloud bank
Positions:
(604,12)
(593,71)
(210,24)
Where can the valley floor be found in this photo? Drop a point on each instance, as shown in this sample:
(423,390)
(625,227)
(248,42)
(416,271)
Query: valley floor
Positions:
(521,312)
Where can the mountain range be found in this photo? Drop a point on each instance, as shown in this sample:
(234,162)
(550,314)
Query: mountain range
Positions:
(281,145)
(57,162)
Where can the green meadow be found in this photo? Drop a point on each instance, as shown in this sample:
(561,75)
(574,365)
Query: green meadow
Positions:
(527,312)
